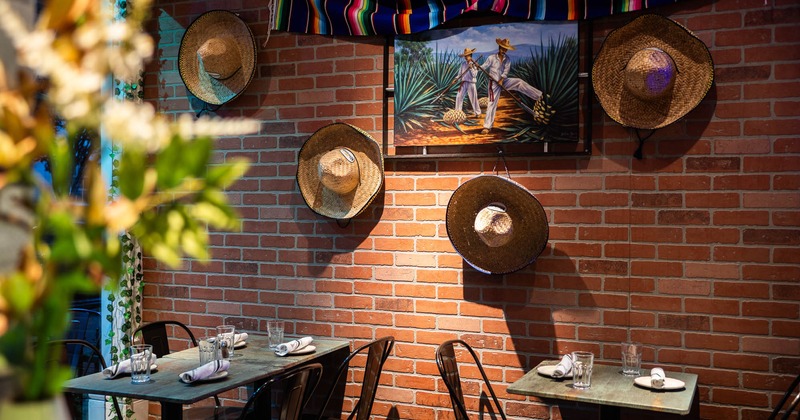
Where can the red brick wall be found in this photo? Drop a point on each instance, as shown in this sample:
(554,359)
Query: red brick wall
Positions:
(692,250)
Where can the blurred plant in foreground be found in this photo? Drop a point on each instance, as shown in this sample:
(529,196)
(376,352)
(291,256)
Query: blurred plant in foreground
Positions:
(56,245)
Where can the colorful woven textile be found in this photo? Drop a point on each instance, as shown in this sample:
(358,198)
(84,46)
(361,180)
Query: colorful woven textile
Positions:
(381,17)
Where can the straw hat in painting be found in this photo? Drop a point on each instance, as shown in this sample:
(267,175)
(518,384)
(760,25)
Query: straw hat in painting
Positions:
(467,51)
(504,43)
(217,57)
(651,72)
(339,171)
(496,224)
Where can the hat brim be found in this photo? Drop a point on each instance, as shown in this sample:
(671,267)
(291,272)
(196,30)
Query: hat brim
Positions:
(200,83)
(530,228)
(695,72)
(370,162)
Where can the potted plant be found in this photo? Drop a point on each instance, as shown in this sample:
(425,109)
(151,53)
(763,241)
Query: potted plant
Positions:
(56,244)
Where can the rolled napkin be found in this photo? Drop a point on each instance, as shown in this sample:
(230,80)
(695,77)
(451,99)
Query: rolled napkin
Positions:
(204,371)
(564,367)
(124,367)
(238,338)
(294,345)
(657,377)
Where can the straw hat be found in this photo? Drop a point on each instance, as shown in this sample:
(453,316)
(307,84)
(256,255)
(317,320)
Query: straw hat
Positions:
(467,51)
(496,225)
(217,57)
(651,72)
(503,42)
(339,171)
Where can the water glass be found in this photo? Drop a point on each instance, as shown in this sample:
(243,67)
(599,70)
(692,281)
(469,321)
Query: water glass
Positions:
(140,363)
(208,348)
(275,328)
(225,338)
(631,358)
(582,363)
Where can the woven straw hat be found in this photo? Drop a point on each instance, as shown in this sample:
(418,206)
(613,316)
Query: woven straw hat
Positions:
(651,72)
(217,57)
(339,171)
(467,51)
(503,42)
(496,225)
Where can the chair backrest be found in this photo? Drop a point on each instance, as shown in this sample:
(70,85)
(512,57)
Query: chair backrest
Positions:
(155,334)
(793,402)
(90,360)
(295,387)
(85,325)
(448,369)
(377,353)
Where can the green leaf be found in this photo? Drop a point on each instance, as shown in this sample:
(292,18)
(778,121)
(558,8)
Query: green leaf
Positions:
(130,174)
(222,176)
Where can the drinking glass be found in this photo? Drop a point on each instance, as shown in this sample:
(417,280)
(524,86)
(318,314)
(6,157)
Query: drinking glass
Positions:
(582,363)
(140,363)
(631,358)
(275,328)
(225,337)
(208,348)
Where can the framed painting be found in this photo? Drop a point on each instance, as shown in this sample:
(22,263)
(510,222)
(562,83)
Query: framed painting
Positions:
(512,84)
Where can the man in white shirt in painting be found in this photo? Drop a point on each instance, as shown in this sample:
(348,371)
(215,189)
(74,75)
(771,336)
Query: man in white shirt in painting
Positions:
(497,67)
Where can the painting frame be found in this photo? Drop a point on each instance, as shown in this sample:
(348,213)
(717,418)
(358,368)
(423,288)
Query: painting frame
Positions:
(579,144)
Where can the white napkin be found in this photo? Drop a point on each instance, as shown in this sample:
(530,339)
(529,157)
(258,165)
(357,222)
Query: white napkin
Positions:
(657,377)
(124,367)
(204,371)
(294,345)
(564,367)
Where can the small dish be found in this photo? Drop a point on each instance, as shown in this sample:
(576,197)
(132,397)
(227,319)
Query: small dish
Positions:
(240,344)
(670,384)
(548,371)
(305,350)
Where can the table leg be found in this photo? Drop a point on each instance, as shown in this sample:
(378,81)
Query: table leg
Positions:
(609,412)
(171,410)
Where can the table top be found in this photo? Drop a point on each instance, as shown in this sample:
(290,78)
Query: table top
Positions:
(610,387)
(250,364)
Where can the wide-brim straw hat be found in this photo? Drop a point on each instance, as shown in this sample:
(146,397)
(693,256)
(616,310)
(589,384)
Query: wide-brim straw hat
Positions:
(467,51)
(217,24)
(640,45)
(505,43)
(369,160)
(528,236)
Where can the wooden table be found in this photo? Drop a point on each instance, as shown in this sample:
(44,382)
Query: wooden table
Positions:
(611,391)
(250,365)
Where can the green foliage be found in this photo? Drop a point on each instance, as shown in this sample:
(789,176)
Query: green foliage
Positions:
(555,73)
(415,101)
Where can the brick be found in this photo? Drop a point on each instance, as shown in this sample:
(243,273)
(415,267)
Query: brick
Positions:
(683,217)
(742,182)
(771,309)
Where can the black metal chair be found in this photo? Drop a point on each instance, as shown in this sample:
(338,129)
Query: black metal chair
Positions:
(377,353)
(85,325)
(293,388)
(448,369)
(88,359)
(794,388)
(155,334)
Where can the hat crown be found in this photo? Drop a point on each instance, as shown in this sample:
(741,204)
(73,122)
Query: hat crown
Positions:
(493,225)
(219,57)
(504,43)
(650,73)
(338,170)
